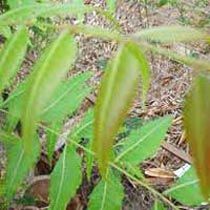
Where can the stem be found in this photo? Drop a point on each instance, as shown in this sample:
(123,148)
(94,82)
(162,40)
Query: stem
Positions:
(197,64)
(156,193)
(111,163)
(96,31)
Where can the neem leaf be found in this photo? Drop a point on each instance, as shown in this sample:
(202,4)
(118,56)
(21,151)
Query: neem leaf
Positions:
(8,139)
(171,34)
(5,31)
(144,68)
(144,142)
(18,165)
(14,104)
(66,98)
(116,93)
(52,138)
(84,130)
(197,121)
(108,194)
(12,55)
(186,190)
(47,74)
(27,13)
(65,179)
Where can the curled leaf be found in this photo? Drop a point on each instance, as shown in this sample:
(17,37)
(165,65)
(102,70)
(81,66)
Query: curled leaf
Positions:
(197,125)
(47,74)
(12,55)
(116,94)
(171,34)
(144,68)
(27,13)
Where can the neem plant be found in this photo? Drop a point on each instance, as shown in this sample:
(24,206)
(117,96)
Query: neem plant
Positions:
(45,99)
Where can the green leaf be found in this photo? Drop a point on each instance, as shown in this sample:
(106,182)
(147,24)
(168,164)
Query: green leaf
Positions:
(14,105)
(111,5)
(80,3)
(143,143)
(47,74)
(196,122)
(65,179)
(163,2)
(144,68)
(89,158)
(8,139)
(158,205)
(117,91)
(26,14)
(67,97)
(186,190)
(16,3)
(12,55)
(171,34)
(5,31)
(52,138)
(133,170)
(108,194)
(84,129)
(18,165)
(65,100)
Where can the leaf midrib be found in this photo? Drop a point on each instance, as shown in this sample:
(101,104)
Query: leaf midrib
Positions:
(186,184)
(16,169)
(61,97)
(104,196)
(39,76)
(62,179)
(133,146)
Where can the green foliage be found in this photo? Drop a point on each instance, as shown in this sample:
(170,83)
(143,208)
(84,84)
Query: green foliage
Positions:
(149,136)
(52,138)
(27,13)
(196,120)
(171,34)
(164,2)
(46,97)
(47,74)
(65,179)
(143,68)
(61,105)
(84,130)
(17,3)
(111,5)
(158,205)
(121,82)
(11,56)
(5,31)
(186,190)
(19,165)
(107,194)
